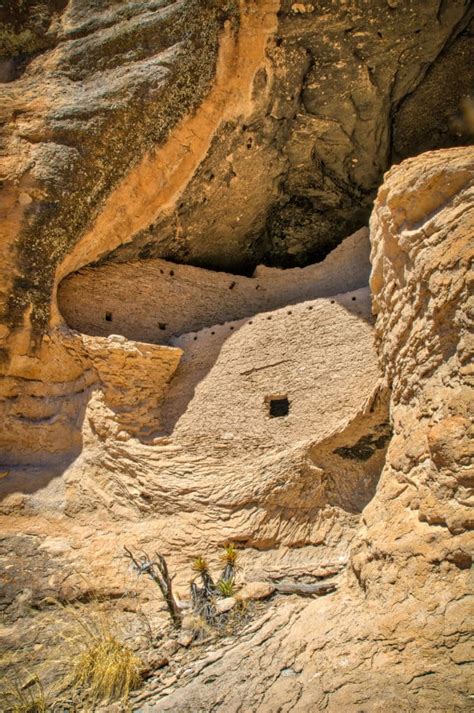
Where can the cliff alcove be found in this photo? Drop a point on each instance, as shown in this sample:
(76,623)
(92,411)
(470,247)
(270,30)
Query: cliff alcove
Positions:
(202,342)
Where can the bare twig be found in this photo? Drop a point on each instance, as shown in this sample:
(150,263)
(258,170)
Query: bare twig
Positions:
(157,570)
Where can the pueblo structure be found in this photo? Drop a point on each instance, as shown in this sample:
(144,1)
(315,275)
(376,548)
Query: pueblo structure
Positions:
(235,309)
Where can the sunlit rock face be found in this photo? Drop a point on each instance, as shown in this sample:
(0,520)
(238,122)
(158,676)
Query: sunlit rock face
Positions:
(402,616)
(299,103)
(218,134)
(190,351)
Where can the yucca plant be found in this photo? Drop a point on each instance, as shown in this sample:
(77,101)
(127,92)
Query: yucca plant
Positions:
(226,587)
(229,557)
(201,567)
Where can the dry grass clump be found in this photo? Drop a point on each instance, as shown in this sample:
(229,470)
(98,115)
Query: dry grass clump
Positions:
(237,618)
(16,698)
(106,667)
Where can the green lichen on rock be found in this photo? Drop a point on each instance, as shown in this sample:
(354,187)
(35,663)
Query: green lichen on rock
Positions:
(25,24)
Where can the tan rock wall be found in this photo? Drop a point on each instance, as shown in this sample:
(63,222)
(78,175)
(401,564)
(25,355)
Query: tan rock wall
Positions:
(133,379)
(43,399)
(121,385)
(222,467)
(110,387)
(153,300)
(396,635)
(304,352)
(422,237)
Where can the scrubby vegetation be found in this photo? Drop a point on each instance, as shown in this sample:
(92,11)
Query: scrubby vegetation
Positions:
(19,697)
(104,665)
(104,650)
(203,598)
(94,665)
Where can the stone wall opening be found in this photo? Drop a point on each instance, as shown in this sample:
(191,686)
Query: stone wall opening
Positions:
(155,300)
(278,406)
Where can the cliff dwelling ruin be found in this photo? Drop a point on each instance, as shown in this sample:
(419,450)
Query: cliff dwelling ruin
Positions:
(235,355)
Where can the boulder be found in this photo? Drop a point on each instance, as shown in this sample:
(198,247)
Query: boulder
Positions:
(255,590)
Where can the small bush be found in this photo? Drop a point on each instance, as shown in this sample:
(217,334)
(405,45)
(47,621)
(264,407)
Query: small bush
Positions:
(226,587)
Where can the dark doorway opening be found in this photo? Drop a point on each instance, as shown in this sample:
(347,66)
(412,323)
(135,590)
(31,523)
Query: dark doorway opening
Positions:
(108,316)
(279,407)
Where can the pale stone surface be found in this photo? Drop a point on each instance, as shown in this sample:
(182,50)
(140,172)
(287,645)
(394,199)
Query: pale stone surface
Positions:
(43,397)
(401,620)
(223,459)
(228,370)
(155,300)
(224,605)
(133,379)
(255,590)
(422,252)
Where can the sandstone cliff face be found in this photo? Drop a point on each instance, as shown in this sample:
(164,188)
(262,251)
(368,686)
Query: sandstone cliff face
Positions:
(219,134)
(422,232)
(280,161)
(223,134)
(396,636)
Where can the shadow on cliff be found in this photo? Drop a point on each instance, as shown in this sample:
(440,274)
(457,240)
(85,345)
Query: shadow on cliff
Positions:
(50,453)
(27,479)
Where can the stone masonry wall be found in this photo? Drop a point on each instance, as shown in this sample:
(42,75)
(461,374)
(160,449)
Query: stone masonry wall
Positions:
(154,300)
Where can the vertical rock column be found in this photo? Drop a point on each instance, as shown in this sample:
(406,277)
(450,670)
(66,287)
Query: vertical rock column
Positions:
(415,533)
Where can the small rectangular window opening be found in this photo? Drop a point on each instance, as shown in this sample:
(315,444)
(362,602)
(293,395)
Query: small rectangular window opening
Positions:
(108,316)
(162,325)
(278,406)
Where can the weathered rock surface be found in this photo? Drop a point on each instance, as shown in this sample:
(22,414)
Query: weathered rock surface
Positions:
(133,380)
(395,636)
(223,134)
(170,300)
(290,134)
(422,250)
(256,590)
